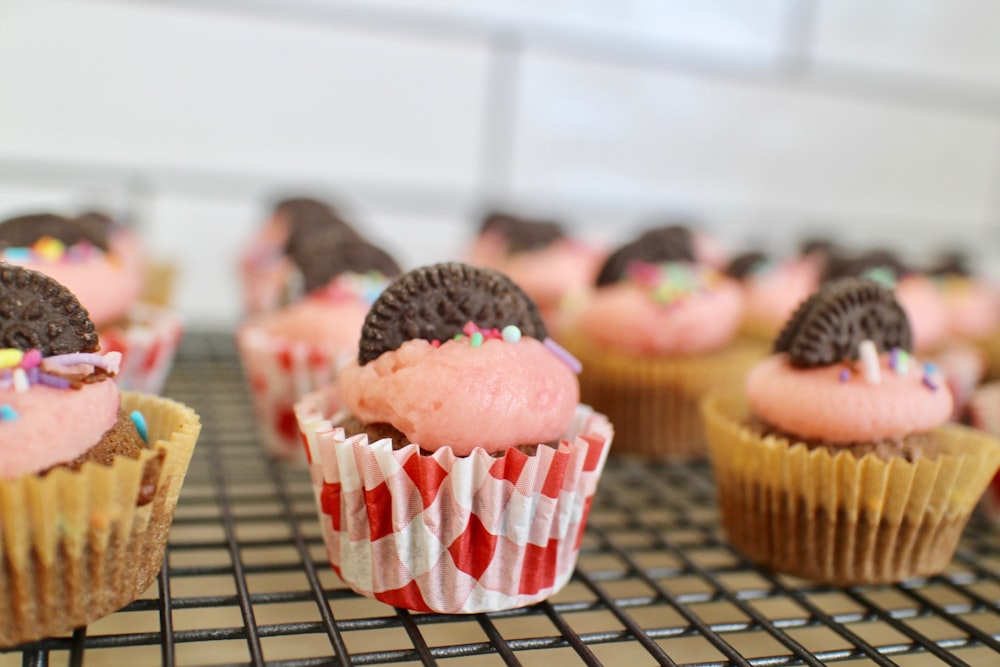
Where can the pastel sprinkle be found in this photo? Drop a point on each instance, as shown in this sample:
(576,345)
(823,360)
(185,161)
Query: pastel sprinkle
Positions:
(49,248)
(511,333)
(470,328)
(929,383)
(31,358)
(902,361)
(435,343)
(140,424)
(477,339)
(20,379)
(869,360)
(930,369)
(53,381)
(563,355)
(10,357)
(458,336)
(7,413)
(845,374)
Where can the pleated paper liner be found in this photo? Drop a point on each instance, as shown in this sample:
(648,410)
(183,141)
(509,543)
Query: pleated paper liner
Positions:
(280,372)
(148,341)
(984,414)
(835,518)
(437,532)
(75,546)
(653,401)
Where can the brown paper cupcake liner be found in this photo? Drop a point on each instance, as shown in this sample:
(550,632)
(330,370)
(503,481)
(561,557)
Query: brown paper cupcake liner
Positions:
(653,402)
(75,546)
(835,518)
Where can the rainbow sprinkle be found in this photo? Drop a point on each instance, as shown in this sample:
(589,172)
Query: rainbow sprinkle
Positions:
(929,379)
(845,374)
(563,355)
(140,425)
(670,282)
(511,333)
(869,360)
(51,250)
(899,361)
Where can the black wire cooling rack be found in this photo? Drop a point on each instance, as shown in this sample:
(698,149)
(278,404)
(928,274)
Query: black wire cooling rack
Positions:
(246,582)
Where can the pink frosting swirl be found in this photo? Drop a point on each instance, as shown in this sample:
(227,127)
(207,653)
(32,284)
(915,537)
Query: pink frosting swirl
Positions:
(54,425)
(493,396)
(814,404)
(624,316)
(773,294)
(549,273)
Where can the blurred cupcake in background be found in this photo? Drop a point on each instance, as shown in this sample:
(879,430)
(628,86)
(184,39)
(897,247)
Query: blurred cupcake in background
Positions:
(539,256)
(657,331)
(103,263)
(299,347)
(266,264)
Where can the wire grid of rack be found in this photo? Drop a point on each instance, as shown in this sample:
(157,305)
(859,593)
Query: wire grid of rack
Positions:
(246,580)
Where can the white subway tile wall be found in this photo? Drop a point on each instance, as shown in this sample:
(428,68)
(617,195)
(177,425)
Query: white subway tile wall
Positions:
(765,121)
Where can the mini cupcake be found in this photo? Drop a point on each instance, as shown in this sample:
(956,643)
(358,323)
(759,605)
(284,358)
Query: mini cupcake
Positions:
(89,478)
(299,347)
(657,332)
(266,262)
(538,256)
(459,421)
(84,254)
(773,289)
(836,464)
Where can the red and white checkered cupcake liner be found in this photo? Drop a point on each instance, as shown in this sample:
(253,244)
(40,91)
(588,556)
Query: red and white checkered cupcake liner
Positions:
(279,372)
(442,533)
(148,343)
(984,413)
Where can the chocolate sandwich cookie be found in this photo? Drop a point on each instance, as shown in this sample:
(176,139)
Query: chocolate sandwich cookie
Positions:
(435,302)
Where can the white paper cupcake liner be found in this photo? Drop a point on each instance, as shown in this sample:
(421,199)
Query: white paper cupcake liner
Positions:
(148,343)
(280,372)
(442,533)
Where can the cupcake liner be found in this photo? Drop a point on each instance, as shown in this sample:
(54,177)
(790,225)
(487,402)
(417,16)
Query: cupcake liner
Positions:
(148,343)
(279,372)
(75,546)
(653,401)
(836,518)
(984,414)
(437,532)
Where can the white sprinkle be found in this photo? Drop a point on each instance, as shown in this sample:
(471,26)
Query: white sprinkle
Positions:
(21,383)
(869,360)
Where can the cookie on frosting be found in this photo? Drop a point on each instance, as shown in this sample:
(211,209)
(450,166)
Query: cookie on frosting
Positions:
(435,303)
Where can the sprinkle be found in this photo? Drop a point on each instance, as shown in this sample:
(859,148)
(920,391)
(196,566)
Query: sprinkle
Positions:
(7,413)
(470,328)
(930,371)
(899,361)
(435,343)
(49,248)
(563,355)
(10,357)
(17,254)
(457,336)
(31,359)
(882,275)
(140,424)
(845,374)
(53,381)
(477,339)
(511,333)
(21,383)
(869,358)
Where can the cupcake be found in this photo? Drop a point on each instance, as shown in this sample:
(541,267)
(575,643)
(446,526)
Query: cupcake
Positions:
(89,477)
(452,464)
(774,287)
(657,332)
(86,255)
(835,462)
(538,256)
(266,262)
(298,348)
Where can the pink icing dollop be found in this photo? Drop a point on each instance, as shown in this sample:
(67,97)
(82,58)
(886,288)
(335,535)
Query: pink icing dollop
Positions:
(493,396)
(623,316)
(926,310)
(549,273)
(814,404)
(318,321)
(773,294)
(54,425)
(104,284)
